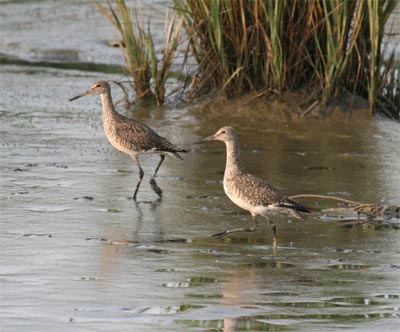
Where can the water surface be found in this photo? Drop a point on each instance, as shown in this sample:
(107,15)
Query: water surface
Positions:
(78,254)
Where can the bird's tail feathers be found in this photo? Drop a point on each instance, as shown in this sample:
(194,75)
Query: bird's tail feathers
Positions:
(176,154)
(294,206)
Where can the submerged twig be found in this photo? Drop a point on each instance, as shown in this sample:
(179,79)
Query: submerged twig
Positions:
(327,197)
(309,109)
(126,94)
(371,210)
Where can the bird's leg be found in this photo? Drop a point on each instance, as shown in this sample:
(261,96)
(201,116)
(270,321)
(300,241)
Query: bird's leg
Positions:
(162,157)
(141,173)
(273,230)
(274,235)
(153,182)
(237,230)
(155,187)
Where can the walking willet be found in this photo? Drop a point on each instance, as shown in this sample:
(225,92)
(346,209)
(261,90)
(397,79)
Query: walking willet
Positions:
(131,136)
(247,191)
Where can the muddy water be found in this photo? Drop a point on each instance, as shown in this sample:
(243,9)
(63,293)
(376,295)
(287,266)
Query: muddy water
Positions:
(78,254)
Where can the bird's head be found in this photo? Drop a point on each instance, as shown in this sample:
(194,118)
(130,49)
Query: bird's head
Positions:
(99,87)
(224,134)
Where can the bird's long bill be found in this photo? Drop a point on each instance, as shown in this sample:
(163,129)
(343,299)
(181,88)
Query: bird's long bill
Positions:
(84,93)
(207,139)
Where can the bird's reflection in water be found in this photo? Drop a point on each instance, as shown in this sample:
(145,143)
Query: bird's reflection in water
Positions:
(144,230)
(147,223)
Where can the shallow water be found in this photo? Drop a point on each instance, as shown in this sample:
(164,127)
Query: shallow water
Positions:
(78,254)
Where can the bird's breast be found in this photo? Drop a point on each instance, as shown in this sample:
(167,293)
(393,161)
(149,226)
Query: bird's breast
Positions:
(116,141)
(234,194)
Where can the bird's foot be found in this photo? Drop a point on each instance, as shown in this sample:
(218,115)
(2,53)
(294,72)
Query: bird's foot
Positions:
(155,187)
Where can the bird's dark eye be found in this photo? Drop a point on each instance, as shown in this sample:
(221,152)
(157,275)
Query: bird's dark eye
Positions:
(97,86)
(223,132)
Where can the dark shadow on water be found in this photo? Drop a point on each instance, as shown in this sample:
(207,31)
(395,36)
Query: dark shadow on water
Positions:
(269,264)
(143,207)
(83,66)
(168,310)
(234,324)
(153,203)
(259,322)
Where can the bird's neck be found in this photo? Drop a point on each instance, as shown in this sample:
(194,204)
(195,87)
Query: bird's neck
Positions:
(108,106)
(233,165)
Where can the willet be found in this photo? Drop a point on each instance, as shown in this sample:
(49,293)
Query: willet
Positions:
(247,191)
(131,136)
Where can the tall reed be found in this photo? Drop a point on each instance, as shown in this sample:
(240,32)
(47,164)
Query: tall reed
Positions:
(149,72)
(331,46)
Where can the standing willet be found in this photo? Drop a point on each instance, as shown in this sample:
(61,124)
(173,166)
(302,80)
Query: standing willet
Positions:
(247,191)
(131,136)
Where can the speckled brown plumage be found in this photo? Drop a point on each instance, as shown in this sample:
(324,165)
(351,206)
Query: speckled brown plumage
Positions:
(257,192)
(130,136)
(248,191)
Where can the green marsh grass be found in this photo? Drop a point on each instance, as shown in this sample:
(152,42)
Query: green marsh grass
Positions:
(325,48)
(149,72)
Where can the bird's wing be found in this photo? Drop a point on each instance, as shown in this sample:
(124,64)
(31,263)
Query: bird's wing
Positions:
(255,190)
(259,192)
(143,137)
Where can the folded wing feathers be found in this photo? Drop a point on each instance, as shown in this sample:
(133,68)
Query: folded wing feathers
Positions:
(144,138)
(260,192)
